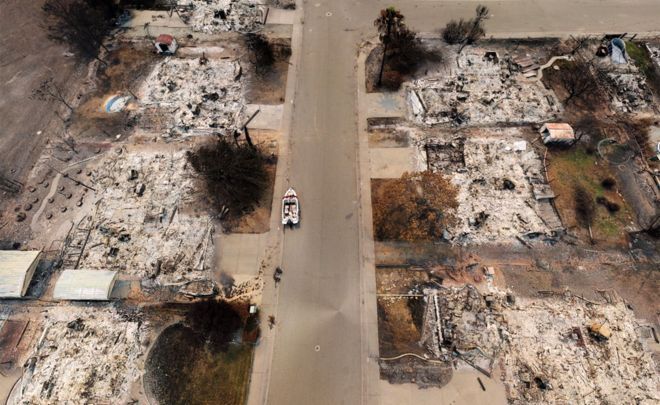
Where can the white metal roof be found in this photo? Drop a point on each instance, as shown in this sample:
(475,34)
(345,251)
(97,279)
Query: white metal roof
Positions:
(16,270)
(85,285)
(558,131)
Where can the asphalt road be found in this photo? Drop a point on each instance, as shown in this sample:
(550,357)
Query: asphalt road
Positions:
(317,356)
(317,349)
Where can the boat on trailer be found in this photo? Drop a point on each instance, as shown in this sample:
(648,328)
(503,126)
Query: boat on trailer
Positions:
(290,208)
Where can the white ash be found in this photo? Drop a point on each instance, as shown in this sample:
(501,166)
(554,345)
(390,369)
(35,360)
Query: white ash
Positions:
(85,355)
(631,91)
(478,91)
(142,226)
(543,345)
(536,344)
(199,98)
(212,16)
(509,213)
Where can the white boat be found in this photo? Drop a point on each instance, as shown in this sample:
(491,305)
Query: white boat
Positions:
(290,208)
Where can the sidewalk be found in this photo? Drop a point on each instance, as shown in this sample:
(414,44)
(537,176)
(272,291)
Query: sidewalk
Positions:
(370,350)
(271,255)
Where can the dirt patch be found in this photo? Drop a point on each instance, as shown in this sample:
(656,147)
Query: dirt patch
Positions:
(29,58)
(591,101)
(258,220)
(397,331)
(269,88)
(400,254)
(638,287)
(10,336)
(127,66)
(267,84)
(399,280)
(389,138)
(426,55)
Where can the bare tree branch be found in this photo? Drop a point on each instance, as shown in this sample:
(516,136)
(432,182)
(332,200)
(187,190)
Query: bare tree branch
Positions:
(82,24)
(48,90)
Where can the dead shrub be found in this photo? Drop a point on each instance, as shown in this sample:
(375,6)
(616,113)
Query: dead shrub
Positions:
(590,127)
(466,32)
(261,52)
(81,24)
(611,206)
(455,32)
(578,81)
(585,209)
(608,183)
(417,206)
(638,130)
(217,322)
(407,57)
(235,174)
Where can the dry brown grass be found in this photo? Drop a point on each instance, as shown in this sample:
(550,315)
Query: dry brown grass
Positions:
(416,207)
(396,328)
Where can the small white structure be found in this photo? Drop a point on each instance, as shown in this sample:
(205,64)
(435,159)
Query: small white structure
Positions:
(557,133)
(16,270)
(166,44)
(85,285)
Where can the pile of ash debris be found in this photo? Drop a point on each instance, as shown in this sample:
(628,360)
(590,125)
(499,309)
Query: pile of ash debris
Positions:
(213,16)
(196,96)
(86,355)
(481,90)
(140,224)
(546,350)
(632,92)
(564,348)
(501,183)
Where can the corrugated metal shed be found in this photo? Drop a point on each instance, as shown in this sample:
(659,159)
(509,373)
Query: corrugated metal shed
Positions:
(85,285)
(16,270)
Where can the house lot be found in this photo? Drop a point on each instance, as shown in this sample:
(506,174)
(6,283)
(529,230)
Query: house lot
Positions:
(195,97)
(479,90)
(548,349)
(489,171)
(212,16)
(89,354)
(142,223)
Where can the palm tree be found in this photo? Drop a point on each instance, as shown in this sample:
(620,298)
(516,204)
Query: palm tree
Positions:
(390,25)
